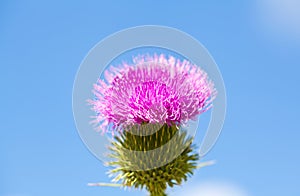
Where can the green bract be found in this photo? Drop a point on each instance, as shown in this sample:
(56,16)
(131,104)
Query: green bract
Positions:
(145,158)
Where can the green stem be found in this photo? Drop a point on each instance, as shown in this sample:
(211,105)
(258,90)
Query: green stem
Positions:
(161,193)
(155,190)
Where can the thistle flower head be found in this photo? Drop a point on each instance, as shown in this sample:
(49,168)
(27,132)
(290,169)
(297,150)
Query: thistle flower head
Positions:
(155,89)
(148,102)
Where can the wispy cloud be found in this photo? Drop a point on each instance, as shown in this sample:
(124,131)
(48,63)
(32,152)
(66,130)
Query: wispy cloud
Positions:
(281,17)
(212,189)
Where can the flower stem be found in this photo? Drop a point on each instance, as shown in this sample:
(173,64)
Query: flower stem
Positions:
(158,193)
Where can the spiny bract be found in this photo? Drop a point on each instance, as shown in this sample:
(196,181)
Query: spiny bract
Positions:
(153,160)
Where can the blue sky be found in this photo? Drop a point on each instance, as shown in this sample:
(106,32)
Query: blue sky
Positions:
(256,45)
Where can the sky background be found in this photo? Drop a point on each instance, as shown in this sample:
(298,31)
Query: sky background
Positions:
(256,45)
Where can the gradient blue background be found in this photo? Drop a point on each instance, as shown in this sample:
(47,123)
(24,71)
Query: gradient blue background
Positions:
(43,42)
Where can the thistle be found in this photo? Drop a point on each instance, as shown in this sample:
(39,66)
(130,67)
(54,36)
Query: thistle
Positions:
(147,106)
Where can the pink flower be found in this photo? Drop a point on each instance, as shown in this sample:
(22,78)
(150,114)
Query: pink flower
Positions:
(155,89)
